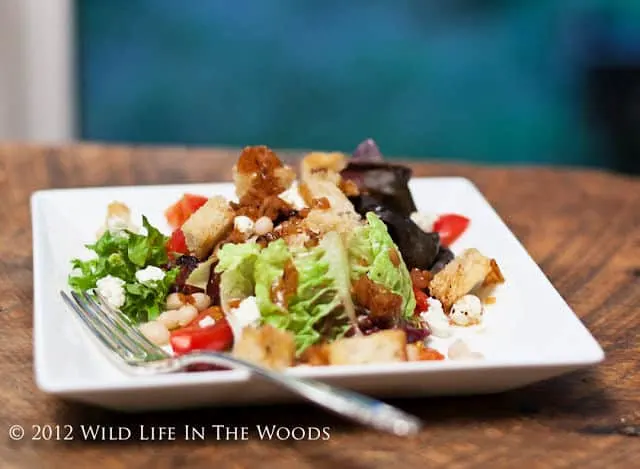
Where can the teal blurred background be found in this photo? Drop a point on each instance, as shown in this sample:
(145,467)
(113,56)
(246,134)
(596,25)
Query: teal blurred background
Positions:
(486,81)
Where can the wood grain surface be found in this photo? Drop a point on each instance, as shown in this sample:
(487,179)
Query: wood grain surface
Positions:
(582,227)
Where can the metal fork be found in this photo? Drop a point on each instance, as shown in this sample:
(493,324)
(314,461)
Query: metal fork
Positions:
(139,356)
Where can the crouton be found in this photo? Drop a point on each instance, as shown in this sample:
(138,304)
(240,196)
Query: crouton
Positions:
(316,162)
(381,347)
(266,346)
(260,173)
(461,276)
(319,186)
(118,209)
(316,355)
(207,226)
(322,221)
(118,218)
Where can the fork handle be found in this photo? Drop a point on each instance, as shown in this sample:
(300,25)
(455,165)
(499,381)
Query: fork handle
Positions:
(354,406)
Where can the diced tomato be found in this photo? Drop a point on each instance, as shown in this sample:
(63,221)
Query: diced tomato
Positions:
(177,243)
(421,301)
(180,212)
(450,227)
(218,337)
(174,215)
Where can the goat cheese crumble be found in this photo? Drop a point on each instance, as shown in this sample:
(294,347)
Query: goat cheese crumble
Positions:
(112,290)
(246,314)
(292,197)
(150,274)
(206,321)
(243,224)
(435,318)
(467,311)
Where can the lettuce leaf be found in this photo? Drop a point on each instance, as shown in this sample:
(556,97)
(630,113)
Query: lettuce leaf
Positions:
(236,264)
(122,255)
(269,268)
(369,249)
(199,277)
(321,307)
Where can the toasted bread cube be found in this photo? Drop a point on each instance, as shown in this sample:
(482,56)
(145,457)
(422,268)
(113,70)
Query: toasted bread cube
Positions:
(324,221)
(207,226)
(283,178)
(315,162)
(381,347)
(118,209)
(460,276)
(266,346)
(413,352)
(316,355)
(321,185)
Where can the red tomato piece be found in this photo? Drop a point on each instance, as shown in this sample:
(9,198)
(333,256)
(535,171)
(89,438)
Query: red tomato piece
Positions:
(214,312)
(218,338)
(450,227)
(191,203)
(180,212)
(421,301)
(177,243)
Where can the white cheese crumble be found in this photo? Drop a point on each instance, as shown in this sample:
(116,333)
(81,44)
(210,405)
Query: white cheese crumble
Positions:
(149,274)
(206,321)
(467,311)
(246,314)
(112,290)
(243,224)
(292,197)
(435,318)
(424,220)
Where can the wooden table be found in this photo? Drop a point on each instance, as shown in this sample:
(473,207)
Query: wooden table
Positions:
(581,226)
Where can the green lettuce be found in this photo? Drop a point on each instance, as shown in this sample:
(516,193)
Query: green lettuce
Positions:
(236,268)
(321,307)
(369,249)
(199,277)
(122,255)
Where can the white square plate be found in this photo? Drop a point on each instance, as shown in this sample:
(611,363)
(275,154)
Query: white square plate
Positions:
(528,335)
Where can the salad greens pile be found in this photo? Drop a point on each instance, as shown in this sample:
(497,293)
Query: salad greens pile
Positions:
(321,305)
(121,255)
(369,250)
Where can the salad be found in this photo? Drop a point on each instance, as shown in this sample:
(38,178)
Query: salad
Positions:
(333,267)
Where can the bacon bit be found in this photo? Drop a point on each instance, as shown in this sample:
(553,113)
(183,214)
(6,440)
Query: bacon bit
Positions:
(233,304)
(258,159)
(313,241)
(304,212)
(322,203)
(215,312)
(394,257)
(251,211)
(236,237)
(265,239)
(494,276)
(420,278)
(348,187)
(286,287)
(380,302)
(261,165)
